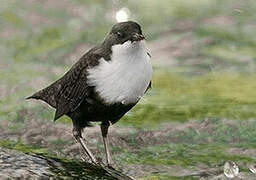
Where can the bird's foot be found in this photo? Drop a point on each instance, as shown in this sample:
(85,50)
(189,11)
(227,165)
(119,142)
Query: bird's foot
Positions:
(83,159)
(111,166)
(86,159)
(96,163)
(100,162)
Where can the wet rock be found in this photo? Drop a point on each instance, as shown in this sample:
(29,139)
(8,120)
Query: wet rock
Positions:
(18,165)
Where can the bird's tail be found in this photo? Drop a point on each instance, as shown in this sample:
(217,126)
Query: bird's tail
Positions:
(47,95)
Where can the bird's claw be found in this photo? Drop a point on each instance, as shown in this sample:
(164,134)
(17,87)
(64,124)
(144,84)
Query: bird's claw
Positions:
(96,163)
(111,166)
(84,159)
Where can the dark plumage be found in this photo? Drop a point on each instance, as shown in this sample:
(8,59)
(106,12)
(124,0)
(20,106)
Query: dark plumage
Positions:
(73,96)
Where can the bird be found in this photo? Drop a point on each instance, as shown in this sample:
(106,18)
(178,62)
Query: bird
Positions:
(103,85)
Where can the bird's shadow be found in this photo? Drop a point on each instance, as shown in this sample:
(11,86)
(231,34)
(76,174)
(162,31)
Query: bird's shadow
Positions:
(63,168)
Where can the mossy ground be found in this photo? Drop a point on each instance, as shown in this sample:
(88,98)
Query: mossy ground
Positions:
(204,62)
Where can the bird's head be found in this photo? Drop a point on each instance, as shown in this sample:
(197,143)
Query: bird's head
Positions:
(123,32)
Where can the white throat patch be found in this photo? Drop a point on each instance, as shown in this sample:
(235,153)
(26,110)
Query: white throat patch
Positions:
(126,76)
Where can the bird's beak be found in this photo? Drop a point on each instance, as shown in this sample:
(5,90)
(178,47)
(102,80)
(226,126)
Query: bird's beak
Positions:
(137,37)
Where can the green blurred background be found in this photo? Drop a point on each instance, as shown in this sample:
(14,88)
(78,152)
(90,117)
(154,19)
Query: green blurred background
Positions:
(201,106)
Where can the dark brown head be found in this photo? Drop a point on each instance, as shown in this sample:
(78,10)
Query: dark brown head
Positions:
(124,31)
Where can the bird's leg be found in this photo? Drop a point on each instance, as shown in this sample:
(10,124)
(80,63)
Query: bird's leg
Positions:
(104,131)
(78,136)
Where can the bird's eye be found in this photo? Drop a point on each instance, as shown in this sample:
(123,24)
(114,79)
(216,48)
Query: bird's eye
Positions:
(119,34)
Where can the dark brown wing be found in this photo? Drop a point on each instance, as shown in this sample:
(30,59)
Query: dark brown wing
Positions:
(150,84)
(149,87)
(73,86)
(149,54)
(67,93)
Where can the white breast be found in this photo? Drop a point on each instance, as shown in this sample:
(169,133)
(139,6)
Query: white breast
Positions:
(126,77)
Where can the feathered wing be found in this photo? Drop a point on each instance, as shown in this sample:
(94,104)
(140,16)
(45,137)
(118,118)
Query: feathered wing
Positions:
(150,83)
(47,94)
(67,93)
(71,93)
(149,87)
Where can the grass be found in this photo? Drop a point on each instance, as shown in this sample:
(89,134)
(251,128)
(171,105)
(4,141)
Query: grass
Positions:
(216,81)
(166,177)
(235,132)
(186,155)
(18,145)
(181,98)
(174,97)
(207,143)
